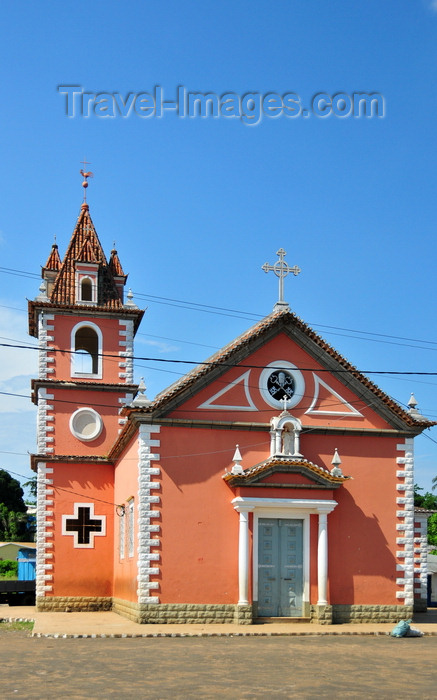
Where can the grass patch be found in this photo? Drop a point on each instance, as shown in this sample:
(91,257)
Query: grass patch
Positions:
(16,626)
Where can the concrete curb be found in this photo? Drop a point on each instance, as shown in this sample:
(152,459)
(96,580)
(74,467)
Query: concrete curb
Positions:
(63,623)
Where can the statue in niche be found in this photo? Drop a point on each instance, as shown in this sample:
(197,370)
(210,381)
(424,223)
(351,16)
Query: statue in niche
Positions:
(287,442)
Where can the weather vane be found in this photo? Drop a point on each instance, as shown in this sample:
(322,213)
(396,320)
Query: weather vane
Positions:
(281,270)
(85,175)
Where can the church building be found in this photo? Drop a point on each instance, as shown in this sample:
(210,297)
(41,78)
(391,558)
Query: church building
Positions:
(273,481)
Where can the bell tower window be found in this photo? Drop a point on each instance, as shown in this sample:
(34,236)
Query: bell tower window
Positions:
(86,289)
(86,283)
(86,346)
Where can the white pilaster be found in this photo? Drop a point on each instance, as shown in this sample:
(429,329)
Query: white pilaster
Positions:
(243,559)
(405,528)
(44,530)
(322,560)
(148,562)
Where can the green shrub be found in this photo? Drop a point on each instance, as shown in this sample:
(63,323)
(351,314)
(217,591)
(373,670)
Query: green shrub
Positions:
(8,568)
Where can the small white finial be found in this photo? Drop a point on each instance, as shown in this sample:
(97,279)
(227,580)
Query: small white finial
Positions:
(42,296)
(336,461)
(129,302)
(412,402)
(412,409)
(236,467)
(141,400)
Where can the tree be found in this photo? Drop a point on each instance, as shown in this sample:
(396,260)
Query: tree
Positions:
(11,493)
(429,501)
(13,511)
(13,525)
(32,486)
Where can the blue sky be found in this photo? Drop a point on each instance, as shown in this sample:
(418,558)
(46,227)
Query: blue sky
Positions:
(197,205)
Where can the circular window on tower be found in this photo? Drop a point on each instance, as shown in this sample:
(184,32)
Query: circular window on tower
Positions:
(86,424)
(281,380)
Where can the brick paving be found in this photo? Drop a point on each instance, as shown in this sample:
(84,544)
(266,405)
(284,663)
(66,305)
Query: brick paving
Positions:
(319,666)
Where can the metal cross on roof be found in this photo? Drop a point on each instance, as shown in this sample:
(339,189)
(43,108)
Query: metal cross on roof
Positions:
(281,269)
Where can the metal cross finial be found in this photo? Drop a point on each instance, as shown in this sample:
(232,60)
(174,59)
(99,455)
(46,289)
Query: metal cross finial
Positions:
(85,175)
(281,269)
(284,402)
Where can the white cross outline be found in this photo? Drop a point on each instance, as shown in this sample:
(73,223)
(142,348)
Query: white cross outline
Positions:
(75,534)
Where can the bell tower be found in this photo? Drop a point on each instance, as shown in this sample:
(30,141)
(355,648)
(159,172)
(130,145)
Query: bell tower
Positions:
(86,330)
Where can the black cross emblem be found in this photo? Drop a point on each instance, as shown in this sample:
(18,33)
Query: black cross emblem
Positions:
(84,525)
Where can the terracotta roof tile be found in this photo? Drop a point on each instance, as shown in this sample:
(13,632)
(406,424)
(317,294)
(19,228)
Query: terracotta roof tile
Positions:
(280,319)
(87,254)
(85,246)
(115,265)
(53,261)
(283,464)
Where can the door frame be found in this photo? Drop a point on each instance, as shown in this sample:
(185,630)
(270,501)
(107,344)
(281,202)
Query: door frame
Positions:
(283,514)
(284,508)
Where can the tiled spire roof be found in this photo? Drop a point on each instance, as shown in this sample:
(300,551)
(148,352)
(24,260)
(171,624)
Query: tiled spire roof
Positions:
(115,264)
(53,261)
(85,246)
(87,254)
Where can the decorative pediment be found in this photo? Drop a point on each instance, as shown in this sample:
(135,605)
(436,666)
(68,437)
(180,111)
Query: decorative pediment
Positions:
(258,475)
(282,356)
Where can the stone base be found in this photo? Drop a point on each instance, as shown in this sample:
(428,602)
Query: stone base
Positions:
(126,608)
(73,604)
(371,613)
(183,613)
(190,613)
(321,614)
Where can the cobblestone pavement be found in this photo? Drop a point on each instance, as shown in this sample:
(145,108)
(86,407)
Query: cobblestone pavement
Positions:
(228,667)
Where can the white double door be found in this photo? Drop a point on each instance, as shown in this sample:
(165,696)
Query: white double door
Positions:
(280,567)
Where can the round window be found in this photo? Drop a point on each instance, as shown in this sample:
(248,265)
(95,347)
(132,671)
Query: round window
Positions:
(86,424)
(279,380)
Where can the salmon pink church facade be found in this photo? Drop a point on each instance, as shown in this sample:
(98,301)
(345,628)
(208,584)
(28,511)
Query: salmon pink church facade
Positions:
(272,481)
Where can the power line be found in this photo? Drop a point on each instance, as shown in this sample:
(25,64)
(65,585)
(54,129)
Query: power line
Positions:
(19,273)
(207,363)
(75,493)
(235,313)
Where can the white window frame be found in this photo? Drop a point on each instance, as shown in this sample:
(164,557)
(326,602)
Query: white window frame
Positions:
(122,535)
(131,527)
(91,275)
(94,327)
(88,411)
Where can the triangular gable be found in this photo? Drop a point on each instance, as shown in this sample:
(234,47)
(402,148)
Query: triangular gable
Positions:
(282,351)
